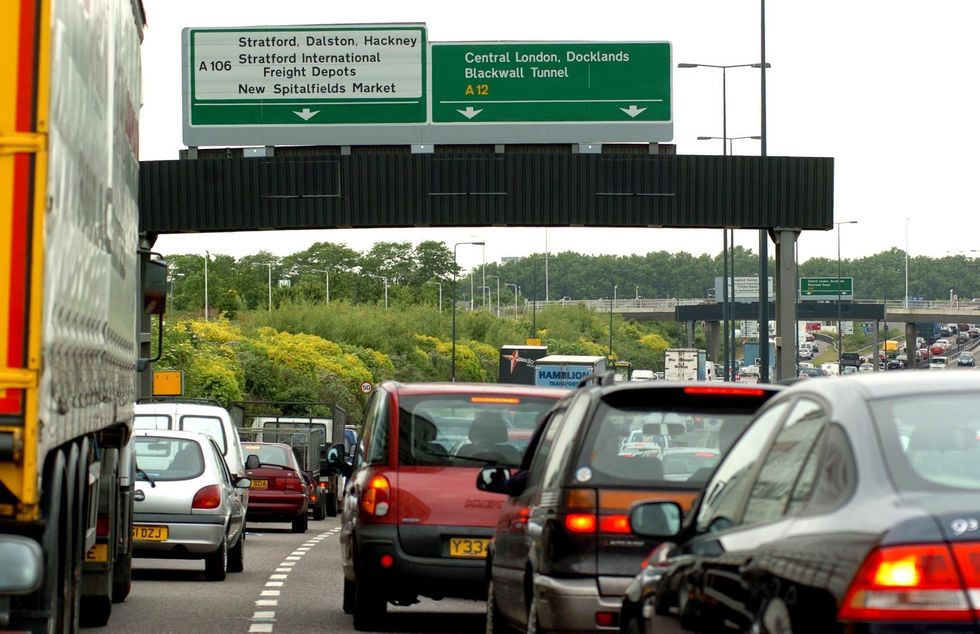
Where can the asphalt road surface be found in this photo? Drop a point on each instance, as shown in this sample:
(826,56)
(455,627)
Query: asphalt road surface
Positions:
(291,583)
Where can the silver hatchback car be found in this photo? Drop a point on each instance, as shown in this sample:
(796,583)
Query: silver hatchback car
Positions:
(187,504)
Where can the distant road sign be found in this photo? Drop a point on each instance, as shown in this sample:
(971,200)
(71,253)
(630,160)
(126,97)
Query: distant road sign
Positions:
(746,289)
(621,90)
(366,387)
(826,288)
(247,80)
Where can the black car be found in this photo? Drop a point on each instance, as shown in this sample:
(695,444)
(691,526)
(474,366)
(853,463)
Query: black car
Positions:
(562,553)
(966,359)
(846,506)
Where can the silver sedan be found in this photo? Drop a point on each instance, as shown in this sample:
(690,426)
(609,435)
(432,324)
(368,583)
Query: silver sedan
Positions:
(187,503)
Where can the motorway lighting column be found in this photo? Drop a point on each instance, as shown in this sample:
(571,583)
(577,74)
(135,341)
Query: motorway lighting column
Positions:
(516,290)
(453,361)
(840,338)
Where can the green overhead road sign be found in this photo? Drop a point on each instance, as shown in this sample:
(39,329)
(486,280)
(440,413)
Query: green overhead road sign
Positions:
(826,288)
(245,79)
(526,82)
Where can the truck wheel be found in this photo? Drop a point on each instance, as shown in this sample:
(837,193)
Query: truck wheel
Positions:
(216,564)
(301,523)
(95,611)
(122,578)
(332,504)
(320,510)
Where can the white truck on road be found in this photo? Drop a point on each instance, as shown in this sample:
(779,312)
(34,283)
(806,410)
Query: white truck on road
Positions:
(687,364)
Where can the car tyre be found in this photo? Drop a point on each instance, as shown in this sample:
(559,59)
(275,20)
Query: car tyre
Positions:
(236,555)
(496,621)
(216,564)
(95,611)
(122,577)
(348,604)
(301,523)
(370,607)
(332,505)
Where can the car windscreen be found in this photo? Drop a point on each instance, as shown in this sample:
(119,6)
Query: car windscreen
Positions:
(161,459)
(691,439)
(464,430)
(931,442)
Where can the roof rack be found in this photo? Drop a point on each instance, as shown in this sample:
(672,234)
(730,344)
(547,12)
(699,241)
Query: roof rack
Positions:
(180,399)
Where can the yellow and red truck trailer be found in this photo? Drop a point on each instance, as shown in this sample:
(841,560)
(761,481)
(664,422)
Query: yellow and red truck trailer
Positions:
(70,290)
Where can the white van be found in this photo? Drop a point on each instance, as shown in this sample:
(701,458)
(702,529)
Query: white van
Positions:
(643,375)
(207,418)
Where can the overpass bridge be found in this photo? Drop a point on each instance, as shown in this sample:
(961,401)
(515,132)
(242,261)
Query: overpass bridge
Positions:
(692,310)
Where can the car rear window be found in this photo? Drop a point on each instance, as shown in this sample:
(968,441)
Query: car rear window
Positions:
(653,442)
(168,459)
(464,430)
(269,454)
(931,441)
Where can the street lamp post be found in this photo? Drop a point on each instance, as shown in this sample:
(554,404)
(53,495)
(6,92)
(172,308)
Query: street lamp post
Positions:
(730,354)
(906,264)
(269,265)
(385,280)
(207,257)
(453,361)
(612,303)
(496,277)
(439,284)
(840,338)
(327,272)
(516,291)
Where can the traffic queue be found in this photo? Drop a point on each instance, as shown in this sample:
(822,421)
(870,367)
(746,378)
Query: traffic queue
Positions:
(671,506)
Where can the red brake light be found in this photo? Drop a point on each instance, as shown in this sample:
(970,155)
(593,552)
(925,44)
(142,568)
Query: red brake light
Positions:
(207,498)
(498,400)
(723,391)
(292,483)
(907,583)
(614,524)
(580,522)
(376,499)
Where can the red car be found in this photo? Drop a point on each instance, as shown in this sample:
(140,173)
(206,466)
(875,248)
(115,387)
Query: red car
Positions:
(279,492)
(413,524)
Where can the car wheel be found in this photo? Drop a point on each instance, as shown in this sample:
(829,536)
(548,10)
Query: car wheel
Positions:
(533,624)
(370,607)
(348,597)
(216,564)
(773,618)
(632,627)
(332,505)
(236,555)
(301,523)
(496,622)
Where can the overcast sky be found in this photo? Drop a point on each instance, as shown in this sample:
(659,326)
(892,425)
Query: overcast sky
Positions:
(888,88)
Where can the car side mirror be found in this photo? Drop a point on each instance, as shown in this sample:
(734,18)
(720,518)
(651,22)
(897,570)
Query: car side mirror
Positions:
(335,462)
(659,519)
(243,483)
(252,461)
(493,479)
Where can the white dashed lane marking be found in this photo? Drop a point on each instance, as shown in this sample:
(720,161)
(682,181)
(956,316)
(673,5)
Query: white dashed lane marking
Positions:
(262,620)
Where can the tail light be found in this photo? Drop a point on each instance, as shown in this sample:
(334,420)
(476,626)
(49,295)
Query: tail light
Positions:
(911,583)
(102,525)
(582,517)
(294,483)
(377,497)
(723,391)
(207,498)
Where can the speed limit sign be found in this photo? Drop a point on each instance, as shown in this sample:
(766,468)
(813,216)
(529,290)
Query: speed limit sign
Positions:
(366,387)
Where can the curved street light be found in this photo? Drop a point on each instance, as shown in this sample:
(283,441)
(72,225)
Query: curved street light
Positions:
(453,362)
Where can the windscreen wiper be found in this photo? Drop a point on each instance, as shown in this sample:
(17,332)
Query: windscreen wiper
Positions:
(145,476)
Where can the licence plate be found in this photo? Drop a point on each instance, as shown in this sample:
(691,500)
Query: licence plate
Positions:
(472,547)
(259,484)
(150,533)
